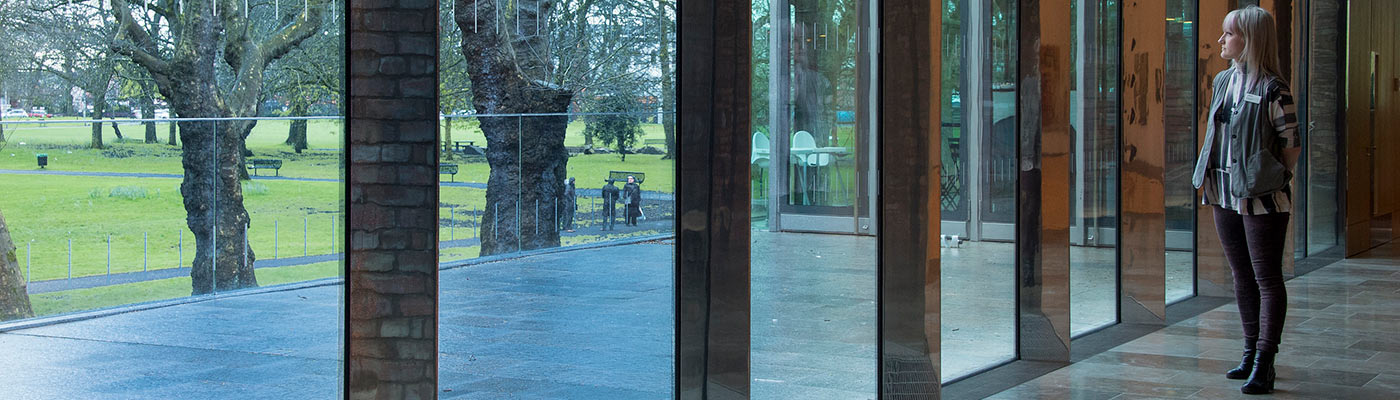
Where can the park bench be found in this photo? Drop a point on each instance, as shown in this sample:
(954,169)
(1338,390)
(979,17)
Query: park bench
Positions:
(265,163)
(621,176)
(450,169)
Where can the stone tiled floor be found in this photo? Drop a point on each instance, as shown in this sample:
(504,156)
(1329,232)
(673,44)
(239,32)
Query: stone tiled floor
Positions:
(1339,343)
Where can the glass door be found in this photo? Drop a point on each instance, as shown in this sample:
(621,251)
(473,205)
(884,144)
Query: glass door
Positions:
(820,131)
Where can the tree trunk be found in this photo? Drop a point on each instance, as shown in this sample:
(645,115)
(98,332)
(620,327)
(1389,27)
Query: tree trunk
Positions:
(14,294)
(447,144)
(98,107)
(117,130)
(526,169)
(296,134)
(148,111)
(213,153)
(2,132)
(173,132)
(241,130)
(213,199)
(668,92)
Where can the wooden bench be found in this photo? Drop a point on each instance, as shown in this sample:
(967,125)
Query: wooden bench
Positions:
(621,176)
(256,164)
(450,169)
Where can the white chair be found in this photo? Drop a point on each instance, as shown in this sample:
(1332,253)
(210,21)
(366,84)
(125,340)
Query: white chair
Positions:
(760,153)
(760,156)
(801,153)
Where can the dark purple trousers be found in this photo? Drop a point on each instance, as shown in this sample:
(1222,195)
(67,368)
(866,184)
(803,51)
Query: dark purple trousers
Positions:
(1254,247)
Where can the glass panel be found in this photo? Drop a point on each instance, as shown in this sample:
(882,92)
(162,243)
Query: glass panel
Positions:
(1320,160)
(978,262)
(999,144)
(1094,166)
(557,277)
(818,102)
(135,191)
(814,314)
(1180,105)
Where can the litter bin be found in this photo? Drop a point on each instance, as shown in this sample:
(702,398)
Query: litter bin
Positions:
(43,160)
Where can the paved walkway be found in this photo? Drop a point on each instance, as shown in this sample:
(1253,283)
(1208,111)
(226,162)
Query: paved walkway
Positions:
(92,281)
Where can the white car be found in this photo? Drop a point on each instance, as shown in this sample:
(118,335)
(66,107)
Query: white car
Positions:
(161,113)
(16,113)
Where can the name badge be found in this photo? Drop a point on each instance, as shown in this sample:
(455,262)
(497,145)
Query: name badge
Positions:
(1252,98)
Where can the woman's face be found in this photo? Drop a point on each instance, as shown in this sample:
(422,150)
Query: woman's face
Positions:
(1231,43)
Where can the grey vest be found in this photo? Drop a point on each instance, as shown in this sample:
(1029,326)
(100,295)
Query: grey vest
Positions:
(1254,146)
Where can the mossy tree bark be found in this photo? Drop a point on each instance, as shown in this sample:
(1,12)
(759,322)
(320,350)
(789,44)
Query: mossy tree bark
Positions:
(14,294)
(509,75)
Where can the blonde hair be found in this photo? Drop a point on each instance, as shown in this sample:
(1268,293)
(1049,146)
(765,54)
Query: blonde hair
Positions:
(1259,58)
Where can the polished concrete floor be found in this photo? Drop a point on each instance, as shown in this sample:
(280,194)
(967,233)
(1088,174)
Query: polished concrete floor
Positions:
(1339,343)
(594,323)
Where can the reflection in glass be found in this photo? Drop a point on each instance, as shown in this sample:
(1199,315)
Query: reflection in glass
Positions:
(241,194)
(979,186)
(813,318)
(1180,108)
(1094,166)
(557,193)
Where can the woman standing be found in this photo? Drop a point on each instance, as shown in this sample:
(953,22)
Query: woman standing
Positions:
(1245,168)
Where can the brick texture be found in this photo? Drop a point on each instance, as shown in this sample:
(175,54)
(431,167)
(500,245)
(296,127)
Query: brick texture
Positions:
(391,281)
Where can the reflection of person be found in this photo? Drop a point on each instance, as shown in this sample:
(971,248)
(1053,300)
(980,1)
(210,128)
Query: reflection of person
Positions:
(569,203)
(610,195)
(632,196)
(1245,168)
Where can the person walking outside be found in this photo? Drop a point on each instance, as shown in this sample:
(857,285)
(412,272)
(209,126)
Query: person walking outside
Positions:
(1245,169)
(570,204)
(632,195)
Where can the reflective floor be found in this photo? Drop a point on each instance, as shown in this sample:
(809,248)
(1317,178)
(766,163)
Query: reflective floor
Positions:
(598,323)
(1339,343)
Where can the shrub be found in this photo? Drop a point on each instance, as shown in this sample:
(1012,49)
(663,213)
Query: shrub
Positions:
(129,193)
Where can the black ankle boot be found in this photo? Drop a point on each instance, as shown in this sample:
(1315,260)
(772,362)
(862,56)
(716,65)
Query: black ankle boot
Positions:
(1246,366)
(1261,381)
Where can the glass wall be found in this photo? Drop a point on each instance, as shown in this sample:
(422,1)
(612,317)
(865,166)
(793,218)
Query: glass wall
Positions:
(1180,108)
(557,198)
(1094,166)
(978,186)
(136,192)
(813,257)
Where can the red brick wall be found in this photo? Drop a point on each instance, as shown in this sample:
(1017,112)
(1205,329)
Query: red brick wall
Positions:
(392,176)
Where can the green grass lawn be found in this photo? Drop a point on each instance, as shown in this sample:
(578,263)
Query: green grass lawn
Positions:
(145,217)
(468,129)
(45,212)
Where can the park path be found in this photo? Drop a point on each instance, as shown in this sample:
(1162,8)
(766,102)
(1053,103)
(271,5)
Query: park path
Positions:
(646,195)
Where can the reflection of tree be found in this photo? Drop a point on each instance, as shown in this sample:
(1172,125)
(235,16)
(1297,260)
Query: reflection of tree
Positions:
(209,57)
(615,128)
(532,57)
(72,42)
(309,75)
(822,67)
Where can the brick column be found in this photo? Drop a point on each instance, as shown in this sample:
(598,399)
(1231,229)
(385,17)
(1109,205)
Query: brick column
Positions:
(392,274)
